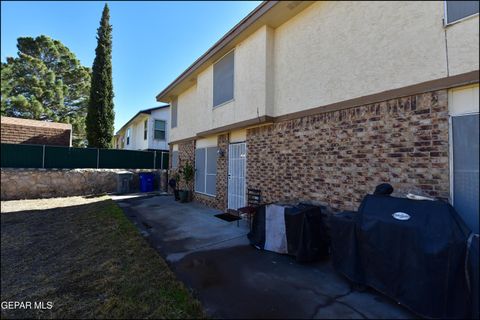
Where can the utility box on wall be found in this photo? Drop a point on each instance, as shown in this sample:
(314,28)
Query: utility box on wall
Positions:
(123,181)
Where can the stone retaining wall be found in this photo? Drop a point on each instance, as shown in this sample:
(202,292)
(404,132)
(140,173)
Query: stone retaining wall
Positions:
(48,183)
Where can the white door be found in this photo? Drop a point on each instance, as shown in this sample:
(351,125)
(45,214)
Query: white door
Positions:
(237,157)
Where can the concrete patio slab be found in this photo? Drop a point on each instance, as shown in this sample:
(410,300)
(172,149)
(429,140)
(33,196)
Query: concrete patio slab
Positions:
(177,229)
(234,280)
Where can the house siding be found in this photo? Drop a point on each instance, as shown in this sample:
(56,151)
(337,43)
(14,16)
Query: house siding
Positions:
(186,153)
(137,139)
(162,114)
(338,157)
(195,109)
(317,87)
(330,52)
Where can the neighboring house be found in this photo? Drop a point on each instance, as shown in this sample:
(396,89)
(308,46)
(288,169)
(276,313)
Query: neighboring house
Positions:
(147,130)
(26,131)
(324,100)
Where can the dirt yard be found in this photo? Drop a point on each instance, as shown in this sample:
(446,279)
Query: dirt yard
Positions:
(84,256)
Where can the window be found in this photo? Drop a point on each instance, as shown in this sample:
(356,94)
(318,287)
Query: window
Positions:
(145,130)
(463,107)
(159,133)
(174,112)
(206,170)
(456,10)
(465,168)
(223,79)
(128,135)
(174,159)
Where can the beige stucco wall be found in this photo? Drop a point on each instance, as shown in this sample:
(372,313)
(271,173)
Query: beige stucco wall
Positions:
(462,51)
(335,51)
(331,52)
(238,135)
(210,141)
(195,105)
(463,100)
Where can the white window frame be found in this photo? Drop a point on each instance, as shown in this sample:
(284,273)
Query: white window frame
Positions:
(210,174)
(129,135)
(165,130)
(447,23)
(213,80)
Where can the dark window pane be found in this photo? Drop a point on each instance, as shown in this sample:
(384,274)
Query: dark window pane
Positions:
(212,160)
(211,185)
(457,10)
(466,168)
(159,135)
(145,129)
(200,170)
(160,125)
(223,74)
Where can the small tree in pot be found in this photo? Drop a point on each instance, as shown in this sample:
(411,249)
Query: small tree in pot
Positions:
(174,184)
(188,173)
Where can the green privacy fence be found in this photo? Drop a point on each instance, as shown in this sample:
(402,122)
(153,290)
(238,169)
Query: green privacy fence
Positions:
(42,156)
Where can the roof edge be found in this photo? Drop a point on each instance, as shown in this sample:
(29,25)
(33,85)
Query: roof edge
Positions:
(145,111)
(252,17)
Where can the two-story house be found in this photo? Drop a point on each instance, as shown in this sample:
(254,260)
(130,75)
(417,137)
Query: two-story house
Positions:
(324,100)
(147,130)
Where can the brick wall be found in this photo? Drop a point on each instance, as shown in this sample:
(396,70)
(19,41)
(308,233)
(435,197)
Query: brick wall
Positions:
(186,152)
(338,157)
(25,131)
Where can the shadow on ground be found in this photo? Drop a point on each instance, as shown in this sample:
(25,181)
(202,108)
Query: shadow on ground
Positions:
(234,280)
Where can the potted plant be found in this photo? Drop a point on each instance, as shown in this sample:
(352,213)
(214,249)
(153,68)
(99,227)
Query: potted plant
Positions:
(174,184)
(188,173)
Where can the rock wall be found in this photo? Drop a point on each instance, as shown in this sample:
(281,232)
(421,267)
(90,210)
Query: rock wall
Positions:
(48,183)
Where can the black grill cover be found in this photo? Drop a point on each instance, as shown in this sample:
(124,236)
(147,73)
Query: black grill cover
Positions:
(306,232)
(419,262)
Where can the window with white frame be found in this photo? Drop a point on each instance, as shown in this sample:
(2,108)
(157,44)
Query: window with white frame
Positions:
(206,170)
(145,130)
(223,74)
(128,135)
(159,130)
(457,10)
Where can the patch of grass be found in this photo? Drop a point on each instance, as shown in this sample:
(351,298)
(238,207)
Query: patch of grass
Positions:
(90,261)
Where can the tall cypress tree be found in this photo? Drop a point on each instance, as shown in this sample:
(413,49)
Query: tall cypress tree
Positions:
(100,116)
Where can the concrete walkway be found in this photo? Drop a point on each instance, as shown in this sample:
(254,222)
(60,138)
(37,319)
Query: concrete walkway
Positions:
(234,280)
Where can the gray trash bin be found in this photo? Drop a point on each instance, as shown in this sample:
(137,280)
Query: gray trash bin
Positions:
(123,181)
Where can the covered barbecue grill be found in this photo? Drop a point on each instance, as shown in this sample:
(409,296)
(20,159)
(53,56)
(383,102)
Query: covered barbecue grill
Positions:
(411,250)
(297,230)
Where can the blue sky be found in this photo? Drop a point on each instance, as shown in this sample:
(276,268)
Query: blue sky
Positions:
(153,42)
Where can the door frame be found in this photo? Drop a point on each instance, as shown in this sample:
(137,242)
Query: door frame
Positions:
(228,173)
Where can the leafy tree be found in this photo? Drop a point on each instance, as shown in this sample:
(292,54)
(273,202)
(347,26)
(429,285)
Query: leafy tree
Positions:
(100,116)
(46,82)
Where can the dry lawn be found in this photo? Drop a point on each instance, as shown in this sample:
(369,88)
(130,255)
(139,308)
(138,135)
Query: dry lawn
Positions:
(87,259)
